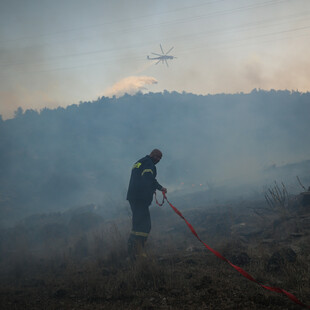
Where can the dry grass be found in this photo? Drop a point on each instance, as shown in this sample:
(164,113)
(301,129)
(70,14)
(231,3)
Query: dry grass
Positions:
(89,270)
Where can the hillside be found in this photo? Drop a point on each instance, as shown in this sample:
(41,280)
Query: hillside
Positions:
(55,159)
(78,260)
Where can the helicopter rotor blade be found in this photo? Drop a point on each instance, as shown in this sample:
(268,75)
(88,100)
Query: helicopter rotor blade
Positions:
(157,54)
(158,62)
(170,50)
(161,49)
(166,62)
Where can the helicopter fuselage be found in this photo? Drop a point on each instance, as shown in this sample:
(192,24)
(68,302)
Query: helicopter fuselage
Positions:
(160,57)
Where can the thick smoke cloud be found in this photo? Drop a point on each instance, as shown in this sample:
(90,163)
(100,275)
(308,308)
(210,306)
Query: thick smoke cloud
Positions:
(83,154)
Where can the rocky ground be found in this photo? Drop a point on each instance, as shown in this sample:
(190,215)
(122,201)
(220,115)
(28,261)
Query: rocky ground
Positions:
(88,269)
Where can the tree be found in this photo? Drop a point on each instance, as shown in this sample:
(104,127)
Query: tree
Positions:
(18,113)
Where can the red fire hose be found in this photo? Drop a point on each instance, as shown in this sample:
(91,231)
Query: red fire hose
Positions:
(239,269)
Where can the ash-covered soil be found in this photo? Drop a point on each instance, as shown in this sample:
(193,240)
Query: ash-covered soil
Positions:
(57,263)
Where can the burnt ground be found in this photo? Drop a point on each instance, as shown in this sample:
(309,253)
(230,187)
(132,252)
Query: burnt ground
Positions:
(57,262)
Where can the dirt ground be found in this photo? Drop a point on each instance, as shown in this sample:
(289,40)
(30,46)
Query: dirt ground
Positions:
(89,269)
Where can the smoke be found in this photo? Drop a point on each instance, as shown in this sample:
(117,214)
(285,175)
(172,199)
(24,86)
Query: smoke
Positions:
(130,85)
(144,67)
(27,99)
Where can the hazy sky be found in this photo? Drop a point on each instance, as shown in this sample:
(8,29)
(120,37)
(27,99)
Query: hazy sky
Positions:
(61,52)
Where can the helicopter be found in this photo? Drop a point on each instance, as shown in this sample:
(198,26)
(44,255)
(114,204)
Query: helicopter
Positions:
(162,57)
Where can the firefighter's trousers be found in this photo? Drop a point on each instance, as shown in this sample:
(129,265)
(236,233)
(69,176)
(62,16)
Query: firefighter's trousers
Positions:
(141,226)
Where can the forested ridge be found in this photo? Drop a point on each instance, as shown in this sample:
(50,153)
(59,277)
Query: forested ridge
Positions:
(57,158)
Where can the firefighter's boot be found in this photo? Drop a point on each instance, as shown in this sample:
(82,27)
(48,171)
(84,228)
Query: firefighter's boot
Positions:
(136,246)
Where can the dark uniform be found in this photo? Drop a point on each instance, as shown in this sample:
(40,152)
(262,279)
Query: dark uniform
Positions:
(142,186)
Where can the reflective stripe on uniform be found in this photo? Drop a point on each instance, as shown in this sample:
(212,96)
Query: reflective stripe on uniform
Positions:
(147,170)
(138,233)
(136,165)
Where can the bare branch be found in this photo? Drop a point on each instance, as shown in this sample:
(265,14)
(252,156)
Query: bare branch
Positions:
(300,183)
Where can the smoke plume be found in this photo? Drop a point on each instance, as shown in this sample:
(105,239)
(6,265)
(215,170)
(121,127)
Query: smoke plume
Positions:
(129,85)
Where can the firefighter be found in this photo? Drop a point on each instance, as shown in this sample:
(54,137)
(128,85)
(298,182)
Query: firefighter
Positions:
(142,186)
